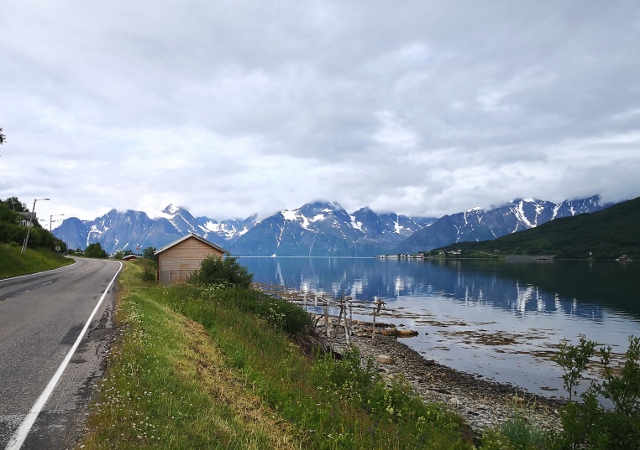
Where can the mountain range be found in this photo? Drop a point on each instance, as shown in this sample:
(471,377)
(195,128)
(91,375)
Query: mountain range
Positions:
(317,229)
(613,233)
(482,225)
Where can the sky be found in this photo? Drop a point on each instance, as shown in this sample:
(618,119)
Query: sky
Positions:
(235,107)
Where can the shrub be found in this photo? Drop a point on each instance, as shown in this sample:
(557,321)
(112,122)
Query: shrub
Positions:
(589,424)
(523,435)
(224,271)
(148,275)
(574,359)
(280,314)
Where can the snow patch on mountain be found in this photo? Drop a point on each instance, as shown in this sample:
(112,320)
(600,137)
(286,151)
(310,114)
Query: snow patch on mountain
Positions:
(290,214)
(355,224)
(168,212)
(520,214)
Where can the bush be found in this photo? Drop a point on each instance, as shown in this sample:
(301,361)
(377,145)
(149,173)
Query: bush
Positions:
(222,271)
(148,275)
(589,425)
(523,436)
(280,314)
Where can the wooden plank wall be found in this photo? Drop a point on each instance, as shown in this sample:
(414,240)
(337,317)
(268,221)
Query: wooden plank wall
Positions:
(183,258)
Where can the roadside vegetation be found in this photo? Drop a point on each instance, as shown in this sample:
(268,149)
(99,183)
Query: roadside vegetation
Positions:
(213,364)
(14,263)
(41,252)
(608,234)
(39,255)
(12,212)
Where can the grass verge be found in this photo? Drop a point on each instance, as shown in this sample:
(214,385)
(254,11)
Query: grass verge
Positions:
(168,386)
(194,369)
(13,263)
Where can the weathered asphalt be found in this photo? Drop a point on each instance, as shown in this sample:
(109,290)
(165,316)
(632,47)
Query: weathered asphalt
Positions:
(41,317)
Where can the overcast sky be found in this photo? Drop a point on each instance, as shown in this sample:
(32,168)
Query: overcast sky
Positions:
(240,106)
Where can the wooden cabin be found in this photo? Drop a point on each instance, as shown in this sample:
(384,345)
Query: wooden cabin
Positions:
(178,260)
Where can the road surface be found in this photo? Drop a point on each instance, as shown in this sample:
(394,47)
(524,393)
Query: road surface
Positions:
(41,318)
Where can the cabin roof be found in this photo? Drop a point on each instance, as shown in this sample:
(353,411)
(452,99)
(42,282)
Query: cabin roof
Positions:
(191,235)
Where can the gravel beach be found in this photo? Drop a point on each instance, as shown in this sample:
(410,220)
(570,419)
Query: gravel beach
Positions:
(482,403)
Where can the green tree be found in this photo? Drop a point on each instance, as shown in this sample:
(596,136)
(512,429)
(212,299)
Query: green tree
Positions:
(95,251)
(150,253)
(12,231)
(15,204)
(8,215)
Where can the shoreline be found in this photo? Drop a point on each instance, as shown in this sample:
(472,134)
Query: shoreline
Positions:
(482,403)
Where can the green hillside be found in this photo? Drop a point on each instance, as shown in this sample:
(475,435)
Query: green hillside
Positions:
(39,254)
(606,234)
(14,263)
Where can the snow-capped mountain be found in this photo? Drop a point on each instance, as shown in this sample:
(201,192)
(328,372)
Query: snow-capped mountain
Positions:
(326,229)
(131,230)
(318,228)
(481,225)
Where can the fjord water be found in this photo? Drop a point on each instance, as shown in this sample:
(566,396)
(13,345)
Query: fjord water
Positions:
(499,320)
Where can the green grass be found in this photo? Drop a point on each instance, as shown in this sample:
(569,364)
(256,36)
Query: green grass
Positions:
(517,434)
(14,263)
(195,369)
(168,386)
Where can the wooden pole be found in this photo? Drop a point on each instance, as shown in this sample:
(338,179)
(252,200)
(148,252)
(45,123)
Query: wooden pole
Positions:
(373,332)
(338,324)
(346,328)
(326,320)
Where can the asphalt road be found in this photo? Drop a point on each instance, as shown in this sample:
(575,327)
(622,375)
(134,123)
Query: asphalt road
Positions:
(41,317)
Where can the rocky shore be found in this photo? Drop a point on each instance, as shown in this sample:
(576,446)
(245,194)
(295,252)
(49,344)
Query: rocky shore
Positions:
(482,403)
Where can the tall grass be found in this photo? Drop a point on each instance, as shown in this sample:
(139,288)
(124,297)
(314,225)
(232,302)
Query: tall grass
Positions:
(333,404)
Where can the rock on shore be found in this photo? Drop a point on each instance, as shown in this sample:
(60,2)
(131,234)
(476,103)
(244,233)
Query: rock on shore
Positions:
(482,403)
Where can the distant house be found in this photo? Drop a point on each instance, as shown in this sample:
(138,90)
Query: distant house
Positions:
(178,260)
(26,217)
(129,257)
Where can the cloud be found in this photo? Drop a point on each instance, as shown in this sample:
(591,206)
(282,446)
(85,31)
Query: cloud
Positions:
(243,107)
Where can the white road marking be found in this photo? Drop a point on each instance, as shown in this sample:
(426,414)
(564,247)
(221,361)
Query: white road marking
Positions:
(37,273)
(21,433)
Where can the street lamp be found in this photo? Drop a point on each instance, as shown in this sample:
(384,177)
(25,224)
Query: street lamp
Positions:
(26,241)
(51,217)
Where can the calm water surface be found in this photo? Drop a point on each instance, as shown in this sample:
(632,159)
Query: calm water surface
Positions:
(494,319)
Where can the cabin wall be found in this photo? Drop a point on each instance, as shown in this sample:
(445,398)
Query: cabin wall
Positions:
(177,264)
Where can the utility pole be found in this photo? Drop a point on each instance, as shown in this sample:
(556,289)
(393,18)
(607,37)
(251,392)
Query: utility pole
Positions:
(51,217)
(26,241)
